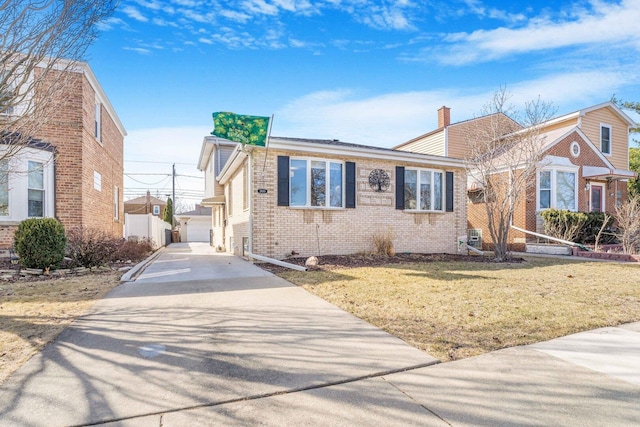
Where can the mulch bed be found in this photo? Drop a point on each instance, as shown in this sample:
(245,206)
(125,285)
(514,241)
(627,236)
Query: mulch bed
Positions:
(335,262)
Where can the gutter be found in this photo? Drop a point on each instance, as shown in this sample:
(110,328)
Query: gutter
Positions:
(566,242)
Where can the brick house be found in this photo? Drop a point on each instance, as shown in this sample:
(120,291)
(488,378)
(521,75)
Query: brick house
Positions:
(585,166)
(145,205)
(73,170)
(313,197)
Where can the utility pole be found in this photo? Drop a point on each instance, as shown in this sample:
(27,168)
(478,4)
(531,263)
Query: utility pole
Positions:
(173,195)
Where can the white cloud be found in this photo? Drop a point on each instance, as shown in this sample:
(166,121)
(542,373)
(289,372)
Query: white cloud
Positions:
(260,7)
(605,24)
(141,50)
(110,23)
(390,119)
(134,13)
(235,16)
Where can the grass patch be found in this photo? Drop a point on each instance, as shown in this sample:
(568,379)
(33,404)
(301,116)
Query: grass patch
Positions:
(33,313)
(458,309)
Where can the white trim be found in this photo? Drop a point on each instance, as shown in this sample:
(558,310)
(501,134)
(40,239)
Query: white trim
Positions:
(554,169)
(573,147)
(328,163)
(97,181)
(605,125)
(19,185)
(116,203)
(586,139)
(367,152)
(443,190)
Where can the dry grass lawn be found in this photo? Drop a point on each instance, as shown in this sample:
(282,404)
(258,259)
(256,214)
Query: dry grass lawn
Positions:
(454,310)
(32,313)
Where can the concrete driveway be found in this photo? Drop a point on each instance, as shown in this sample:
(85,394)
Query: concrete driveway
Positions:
(195,329)
(205,339)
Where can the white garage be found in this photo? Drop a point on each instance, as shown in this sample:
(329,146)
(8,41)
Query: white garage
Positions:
(195,225)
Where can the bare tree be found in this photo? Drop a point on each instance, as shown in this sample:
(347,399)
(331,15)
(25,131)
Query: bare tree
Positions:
(628,221)
(505,148)
(40,41)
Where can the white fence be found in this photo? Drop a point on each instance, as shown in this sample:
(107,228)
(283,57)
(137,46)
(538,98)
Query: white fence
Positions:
(148,227)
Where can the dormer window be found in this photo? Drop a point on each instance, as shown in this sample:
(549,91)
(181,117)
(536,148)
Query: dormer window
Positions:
(605,139)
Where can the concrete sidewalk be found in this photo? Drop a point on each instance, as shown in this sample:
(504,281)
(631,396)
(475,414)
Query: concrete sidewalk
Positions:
(238,346)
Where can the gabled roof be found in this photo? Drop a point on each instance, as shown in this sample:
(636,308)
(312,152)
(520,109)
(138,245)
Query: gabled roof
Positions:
(198,211)
(583,111)
(208,144)
(461,123)
(143,200)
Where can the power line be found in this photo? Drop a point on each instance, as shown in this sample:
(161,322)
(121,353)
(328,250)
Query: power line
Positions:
(161,163)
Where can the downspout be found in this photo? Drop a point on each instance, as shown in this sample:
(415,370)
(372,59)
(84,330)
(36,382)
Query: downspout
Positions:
(565,242)
(251,254)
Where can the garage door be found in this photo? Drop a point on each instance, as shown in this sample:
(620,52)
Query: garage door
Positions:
(198,230)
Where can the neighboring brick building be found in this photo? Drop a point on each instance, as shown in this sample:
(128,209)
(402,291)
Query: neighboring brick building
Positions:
(79,178)
(319,197)
(584,166)
(145,205)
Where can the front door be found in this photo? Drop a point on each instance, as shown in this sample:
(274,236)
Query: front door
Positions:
(597,204)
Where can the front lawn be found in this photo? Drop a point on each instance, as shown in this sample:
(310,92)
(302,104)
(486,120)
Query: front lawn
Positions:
(34,312)
(454,309)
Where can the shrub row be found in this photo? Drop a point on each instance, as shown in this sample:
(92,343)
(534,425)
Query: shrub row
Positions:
(580,227)
(42,243)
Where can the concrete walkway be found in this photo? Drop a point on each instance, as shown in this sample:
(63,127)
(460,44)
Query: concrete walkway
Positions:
(209,339)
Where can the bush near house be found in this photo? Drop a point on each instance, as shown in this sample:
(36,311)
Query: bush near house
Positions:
(93,248)
(592,227)
(134,251)
(40,243)
(580,227)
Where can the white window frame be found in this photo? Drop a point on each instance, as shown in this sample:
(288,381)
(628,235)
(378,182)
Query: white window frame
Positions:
(18,184)
(42,190)
(156,210)
(10,90)
(603,126)
(575,149)
(4,182)
(328,163)
(97,181)
(433,196)
(116,202)
(554,189)
(98,122)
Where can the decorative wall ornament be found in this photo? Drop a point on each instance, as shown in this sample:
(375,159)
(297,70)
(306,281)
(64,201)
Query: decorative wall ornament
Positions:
(379,180)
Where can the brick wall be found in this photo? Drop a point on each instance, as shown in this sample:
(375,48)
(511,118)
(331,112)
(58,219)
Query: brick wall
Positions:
(526,215)
(70,128)
(278,230)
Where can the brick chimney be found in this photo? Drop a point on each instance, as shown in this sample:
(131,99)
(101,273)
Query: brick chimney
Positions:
(444,117)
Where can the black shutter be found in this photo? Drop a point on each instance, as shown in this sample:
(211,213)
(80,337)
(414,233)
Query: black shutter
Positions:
(449,192)
(400,187)
(350,190)
(283,180)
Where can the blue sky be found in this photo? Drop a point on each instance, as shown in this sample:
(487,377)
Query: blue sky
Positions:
(367,72)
